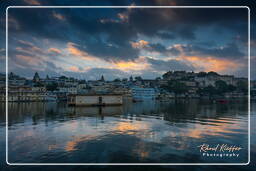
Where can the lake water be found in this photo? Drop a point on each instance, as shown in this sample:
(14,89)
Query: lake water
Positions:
(143,132)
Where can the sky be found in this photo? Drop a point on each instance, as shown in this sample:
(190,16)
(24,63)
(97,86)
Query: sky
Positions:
(120,42)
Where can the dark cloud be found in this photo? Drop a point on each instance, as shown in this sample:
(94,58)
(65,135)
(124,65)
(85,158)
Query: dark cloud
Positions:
(24,69)
(157,47)
(230,50)
(165,35)
(160,22)
(104,34)
(36,22)
(161,65)
(109,36)
(106,40)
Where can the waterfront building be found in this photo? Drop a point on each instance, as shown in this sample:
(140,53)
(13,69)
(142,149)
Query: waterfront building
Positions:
(105,88)
(68,90)
(95,99)
(206,81)
(123,91)
(209,79)
(13,79)
(163,82)
(237,80)
(70,83)
(149,83)
(24,94)
(253,84)
(229,79)
(39,89)
(192,86)
(82,86)
(143,93)
(234,95)
(17,82)
(95,83)
(140,89)
(49,81)
(176,75)
(2,79)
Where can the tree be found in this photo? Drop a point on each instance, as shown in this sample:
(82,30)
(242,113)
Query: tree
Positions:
(212,73)
(176,87)
(124,79)
(221,87)
(209,90)
(166,75)
(52,87)
(38,84)
(158,78)
(242,86)
(231,88)
(63,77)
(117,80)
(138,78)
(201,74)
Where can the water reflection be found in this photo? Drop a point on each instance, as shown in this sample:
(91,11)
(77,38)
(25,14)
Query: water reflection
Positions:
(150,131)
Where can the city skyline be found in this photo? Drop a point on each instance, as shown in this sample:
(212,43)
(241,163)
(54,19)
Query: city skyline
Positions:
(99,77)
(117,43)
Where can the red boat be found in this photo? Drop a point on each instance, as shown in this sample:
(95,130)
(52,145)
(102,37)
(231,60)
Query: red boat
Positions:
(222,101)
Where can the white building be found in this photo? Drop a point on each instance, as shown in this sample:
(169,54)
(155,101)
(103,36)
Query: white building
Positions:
(143,93)
(68,90)
(95,99)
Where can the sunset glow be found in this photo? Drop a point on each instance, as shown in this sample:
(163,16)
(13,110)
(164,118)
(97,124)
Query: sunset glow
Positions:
(212,64)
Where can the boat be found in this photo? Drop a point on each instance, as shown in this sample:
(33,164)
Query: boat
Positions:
(51,98)
(136,100)
(222,101)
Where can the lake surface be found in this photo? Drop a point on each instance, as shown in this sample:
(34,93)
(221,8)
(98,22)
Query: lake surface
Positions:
(143,132)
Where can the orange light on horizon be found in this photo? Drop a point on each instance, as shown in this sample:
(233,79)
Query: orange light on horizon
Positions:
(138,64)
(211,63)
(125,65)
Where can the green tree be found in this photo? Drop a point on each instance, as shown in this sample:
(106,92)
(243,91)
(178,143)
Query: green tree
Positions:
(231,88)
(213,73)
(242,86)
(63,77)
(138,78)
(221,87)
(176,87)
(209,90)
(52,87)
(117,80)
(201,74)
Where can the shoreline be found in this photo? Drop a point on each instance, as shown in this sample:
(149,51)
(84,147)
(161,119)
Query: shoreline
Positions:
(219,99)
